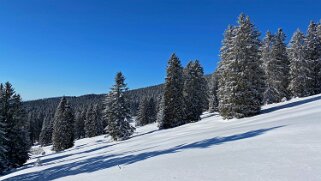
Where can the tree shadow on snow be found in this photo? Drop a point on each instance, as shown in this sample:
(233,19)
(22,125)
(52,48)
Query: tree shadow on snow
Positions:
(119,160)
(292,104)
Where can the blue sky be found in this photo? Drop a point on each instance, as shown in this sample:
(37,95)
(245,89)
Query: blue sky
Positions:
(73,47)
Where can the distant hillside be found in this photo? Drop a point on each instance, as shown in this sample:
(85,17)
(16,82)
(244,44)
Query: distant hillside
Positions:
(40,109)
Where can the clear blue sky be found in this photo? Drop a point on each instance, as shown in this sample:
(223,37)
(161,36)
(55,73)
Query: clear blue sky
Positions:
(74,47)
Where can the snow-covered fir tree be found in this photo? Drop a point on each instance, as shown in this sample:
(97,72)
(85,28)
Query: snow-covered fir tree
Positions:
(45,137)
(63,127)
(93,126)
(146,112)
(299,67)
(2,133)
(276,68)
(80,119)
(15,128)
(151,110)
(142,115)
(227,58)
(269,94)
(173,95)
(212,93)
(117,111)
(160,112)
(313,56)
(241,75)
(194,92)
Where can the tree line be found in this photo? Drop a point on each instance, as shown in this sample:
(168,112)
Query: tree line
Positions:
(252,72)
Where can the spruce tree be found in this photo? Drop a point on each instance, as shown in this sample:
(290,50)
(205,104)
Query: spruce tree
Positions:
(117,110)
(213,97)
(269,94)
(313,56)
(80,119)
(173,95)
(45,137)
(146,112)
(3,161)
(195,91)
(160,112)
(276,67)
(299,67)
(241,74)
(15,128)
(93,126)
(151,110)
(142,115)
(227,56)
(63,127)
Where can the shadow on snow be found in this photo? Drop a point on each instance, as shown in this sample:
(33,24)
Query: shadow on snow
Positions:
(117,160)
(290,105)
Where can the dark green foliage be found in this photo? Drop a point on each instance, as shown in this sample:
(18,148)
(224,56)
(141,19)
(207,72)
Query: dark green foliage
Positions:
(117,111)
(299,67)
(45,137)
(3,160)
(38,110)
(16,145)
(276,67)
(80,119)
(195,91)
(93,123)
(213,89)
(313,57)
(142,117)
(152,110)
(173,95)
(63,127)
(146,112)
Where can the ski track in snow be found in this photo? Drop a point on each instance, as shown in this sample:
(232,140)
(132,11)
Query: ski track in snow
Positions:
(282,143)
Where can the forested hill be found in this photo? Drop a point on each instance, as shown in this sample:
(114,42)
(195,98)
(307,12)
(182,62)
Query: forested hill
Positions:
(39,110)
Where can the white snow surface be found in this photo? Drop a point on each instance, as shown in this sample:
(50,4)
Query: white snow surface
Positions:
(282,143)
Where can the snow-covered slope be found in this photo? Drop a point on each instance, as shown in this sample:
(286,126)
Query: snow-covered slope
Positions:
(283,143)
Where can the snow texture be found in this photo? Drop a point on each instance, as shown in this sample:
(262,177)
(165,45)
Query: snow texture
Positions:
(282,143)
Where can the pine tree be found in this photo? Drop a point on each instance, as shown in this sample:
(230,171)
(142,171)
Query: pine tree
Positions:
(17,143)
(276,67)
(213,97)
(117,111)
(63,127)
(299,67)
(313,56)
(173,95)
(93,126)
(241,74)
(195,91)
(45,137)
